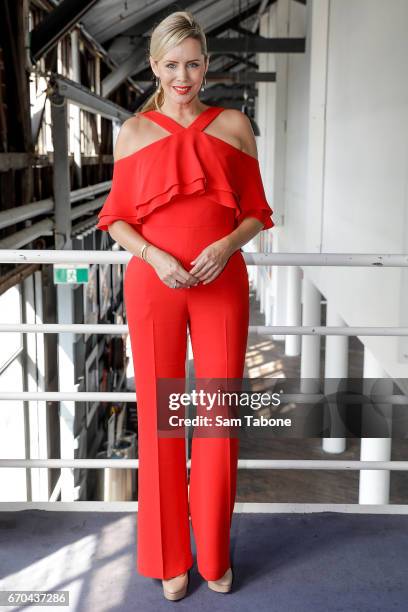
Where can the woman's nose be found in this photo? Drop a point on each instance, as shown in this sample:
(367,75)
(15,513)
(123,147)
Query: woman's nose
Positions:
(182,75)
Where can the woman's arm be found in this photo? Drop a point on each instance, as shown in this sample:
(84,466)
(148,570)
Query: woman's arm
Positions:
(246,230)
(250,226)
(166,266)
(123,233)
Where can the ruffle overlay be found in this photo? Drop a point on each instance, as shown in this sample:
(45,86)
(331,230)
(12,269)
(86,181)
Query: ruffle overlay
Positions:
(190,162)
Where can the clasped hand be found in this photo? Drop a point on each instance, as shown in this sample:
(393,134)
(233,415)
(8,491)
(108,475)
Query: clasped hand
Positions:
(206,266)
(211,261)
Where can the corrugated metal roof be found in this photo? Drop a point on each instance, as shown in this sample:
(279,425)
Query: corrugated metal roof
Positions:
(110,18)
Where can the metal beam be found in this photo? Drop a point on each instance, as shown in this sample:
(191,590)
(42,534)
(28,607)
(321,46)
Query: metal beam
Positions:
(29,211)
(243,31)
(236,61)
(227,92)
(109,61)
(61,174)
(16,276)
(86,99)
(19,239)
(261,10)
(241,76)
(225,101)
(237,19)
(126,68)
(55,25)
(255,44)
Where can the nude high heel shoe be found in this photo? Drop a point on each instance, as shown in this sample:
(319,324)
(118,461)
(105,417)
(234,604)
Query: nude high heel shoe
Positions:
(176,588)
(223,584)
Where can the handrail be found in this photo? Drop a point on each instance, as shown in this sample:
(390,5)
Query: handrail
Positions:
(287,330)
(125,396)
(257,259)
(248,464)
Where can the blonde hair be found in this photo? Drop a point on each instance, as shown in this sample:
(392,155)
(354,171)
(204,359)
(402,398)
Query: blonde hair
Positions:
(171,31)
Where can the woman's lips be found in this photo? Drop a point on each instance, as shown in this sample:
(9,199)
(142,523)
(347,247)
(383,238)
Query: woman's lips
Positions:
(182,90)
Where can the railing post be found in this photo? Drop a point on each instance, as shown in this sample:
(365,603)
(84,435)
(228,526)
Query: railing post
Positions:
(335,367)
(61,179)
(374,485)
(66,370)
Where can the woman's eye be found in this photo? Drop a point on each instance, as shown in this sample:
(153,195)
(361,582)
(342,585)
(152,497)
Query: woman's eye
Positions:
(192,64)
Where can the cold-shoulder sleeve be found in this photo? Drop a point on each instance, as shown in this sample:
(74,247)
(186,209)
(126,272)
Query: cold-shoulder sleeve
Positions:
(119,205)
(252,198)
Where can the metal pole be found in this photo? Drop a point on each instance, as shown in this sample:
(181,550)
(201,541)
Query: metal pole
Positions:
(65,307)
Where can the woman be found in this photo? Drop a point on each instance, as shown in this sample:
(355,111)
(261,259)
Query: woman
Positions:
(186,195)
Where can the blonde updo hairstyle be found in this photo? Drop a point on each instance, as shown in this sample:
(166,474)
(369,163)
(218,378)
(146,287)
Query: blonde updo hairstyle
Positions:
(171,31)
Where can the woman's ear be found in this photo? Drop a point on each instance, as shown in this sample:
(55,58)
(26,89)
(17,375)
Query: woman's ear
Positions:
(153,66)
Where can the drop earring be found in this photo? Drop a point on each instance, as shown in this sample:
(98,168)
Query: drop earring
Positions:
(157,82)
(203,84)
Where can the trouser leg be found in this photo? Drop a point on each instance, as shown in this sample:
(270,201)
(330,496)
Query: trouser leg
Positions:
(218,323)
(157,319)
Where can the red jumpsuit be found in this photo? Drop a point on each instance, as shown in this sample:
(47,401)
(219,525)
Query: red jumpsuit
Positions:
(183,192)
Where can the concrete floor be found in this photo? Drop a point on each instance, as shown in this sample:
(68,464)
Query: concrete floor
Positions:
(296,562)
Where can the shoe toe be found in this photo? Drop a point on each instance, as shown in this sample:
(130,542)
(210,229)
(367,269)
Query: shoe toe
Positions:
(223,584)
(175,588)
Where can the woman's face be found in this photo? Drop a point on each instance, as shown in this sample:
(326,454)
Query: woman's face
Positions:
(181,71)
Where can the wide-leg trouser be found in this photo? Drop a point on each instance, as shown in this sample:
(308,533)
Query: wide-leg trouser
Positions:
(217,315)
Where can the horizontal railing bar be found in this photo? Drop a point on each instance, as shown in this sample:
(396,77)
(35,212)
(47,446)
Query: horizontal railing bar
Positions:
(80,210)
(119,329)
(90,191)
(16,240)
(245,464)
(85,98)
(11,216)
(258,259)
(18,214)
(114,397)
(69,396)
(239,507)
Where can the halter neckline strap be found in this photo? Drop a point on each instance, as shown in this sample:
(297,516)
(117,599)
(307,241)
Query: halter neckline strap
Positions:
(171,125)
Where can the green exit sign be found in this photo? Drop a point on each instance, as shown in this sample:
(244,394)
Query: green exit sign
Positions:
(71,273)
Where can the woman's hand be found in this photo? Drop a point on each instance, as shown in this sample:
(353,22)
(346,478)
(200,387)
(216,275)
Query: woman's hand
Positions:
(212,260)
(169,269)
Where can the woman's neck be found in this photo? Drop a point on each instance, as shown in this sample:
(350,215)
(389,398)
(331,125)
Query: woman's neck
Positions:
(183,112)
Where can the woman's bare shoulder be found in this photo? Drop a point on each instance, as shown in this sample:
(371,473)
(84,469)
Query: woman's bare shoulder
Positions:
(234,117)
(238,124)
(133,135)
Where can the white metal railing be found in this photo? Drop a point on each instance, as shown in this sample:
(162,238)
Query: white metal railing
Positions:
(258,259)
(123,257)
(248,464)
(113,396)
(287,330)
